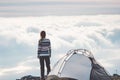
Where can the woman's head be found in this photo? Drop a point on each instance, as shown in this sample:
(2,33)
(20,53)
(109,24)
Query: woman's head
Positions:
(43,34)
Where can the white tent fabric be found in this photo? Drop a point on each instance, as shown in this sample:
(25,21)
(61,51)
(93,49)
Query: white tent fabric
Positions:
(80,65)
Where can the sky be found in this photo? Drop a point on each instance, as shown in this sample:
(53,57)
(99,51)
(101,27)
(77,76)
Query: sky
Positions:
(13,8)
(70,24)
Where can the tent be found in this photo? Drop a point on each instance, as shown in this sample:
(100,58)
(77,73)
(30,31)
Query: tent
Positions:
(79,64)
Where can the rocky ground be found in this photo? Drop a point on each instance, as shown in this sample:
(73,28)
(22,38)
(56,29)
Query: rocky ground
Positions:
(54,77)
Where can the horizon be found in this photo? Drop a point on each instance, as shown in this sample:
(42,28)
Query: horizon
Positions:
(16,8)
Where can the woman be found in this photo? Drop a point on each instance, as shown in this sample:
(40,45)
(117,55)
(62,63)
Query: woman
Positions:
(44,53)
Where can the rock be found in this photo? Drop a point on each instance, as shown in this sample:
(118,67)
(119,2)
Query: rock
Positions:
(53,77)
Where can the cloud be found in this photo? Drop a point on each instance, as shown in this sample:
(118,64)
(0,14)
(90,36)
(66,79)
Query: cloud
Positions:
(18,69)
(19,39)
(26,67)
(109,58)
(59,7)
(32,29)
(22,1)
(86,24)
(114,37)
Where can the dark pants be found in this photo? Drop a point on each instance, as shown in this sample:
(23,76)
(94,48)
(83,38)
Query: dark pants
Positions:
(44,59)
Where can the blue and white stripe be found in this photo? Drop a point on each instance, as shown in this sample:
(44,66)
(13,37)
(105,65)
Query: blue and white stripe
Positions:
(44,47)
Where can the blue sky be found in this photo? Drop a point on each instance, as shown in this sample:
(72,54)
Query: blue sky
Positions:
(10,8)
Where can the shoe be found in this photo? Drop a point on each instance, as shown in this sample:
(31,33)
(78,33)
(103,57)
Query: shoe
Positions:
(42,79)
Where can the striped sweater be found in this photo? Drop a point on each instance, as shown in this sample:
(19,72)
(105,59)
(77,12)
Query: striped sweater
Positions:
(44,47)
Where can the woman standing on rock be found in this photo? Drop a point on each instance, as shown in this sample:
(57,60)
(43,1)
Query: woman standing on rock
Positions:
(44,54)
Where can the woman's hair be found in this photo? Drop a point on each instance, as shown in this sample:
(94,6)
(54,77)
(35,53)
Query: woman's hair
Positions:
(43,34)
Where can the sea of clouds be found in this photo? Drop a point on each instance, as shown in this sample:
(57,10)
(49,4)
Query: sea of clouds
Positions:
(19,41)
